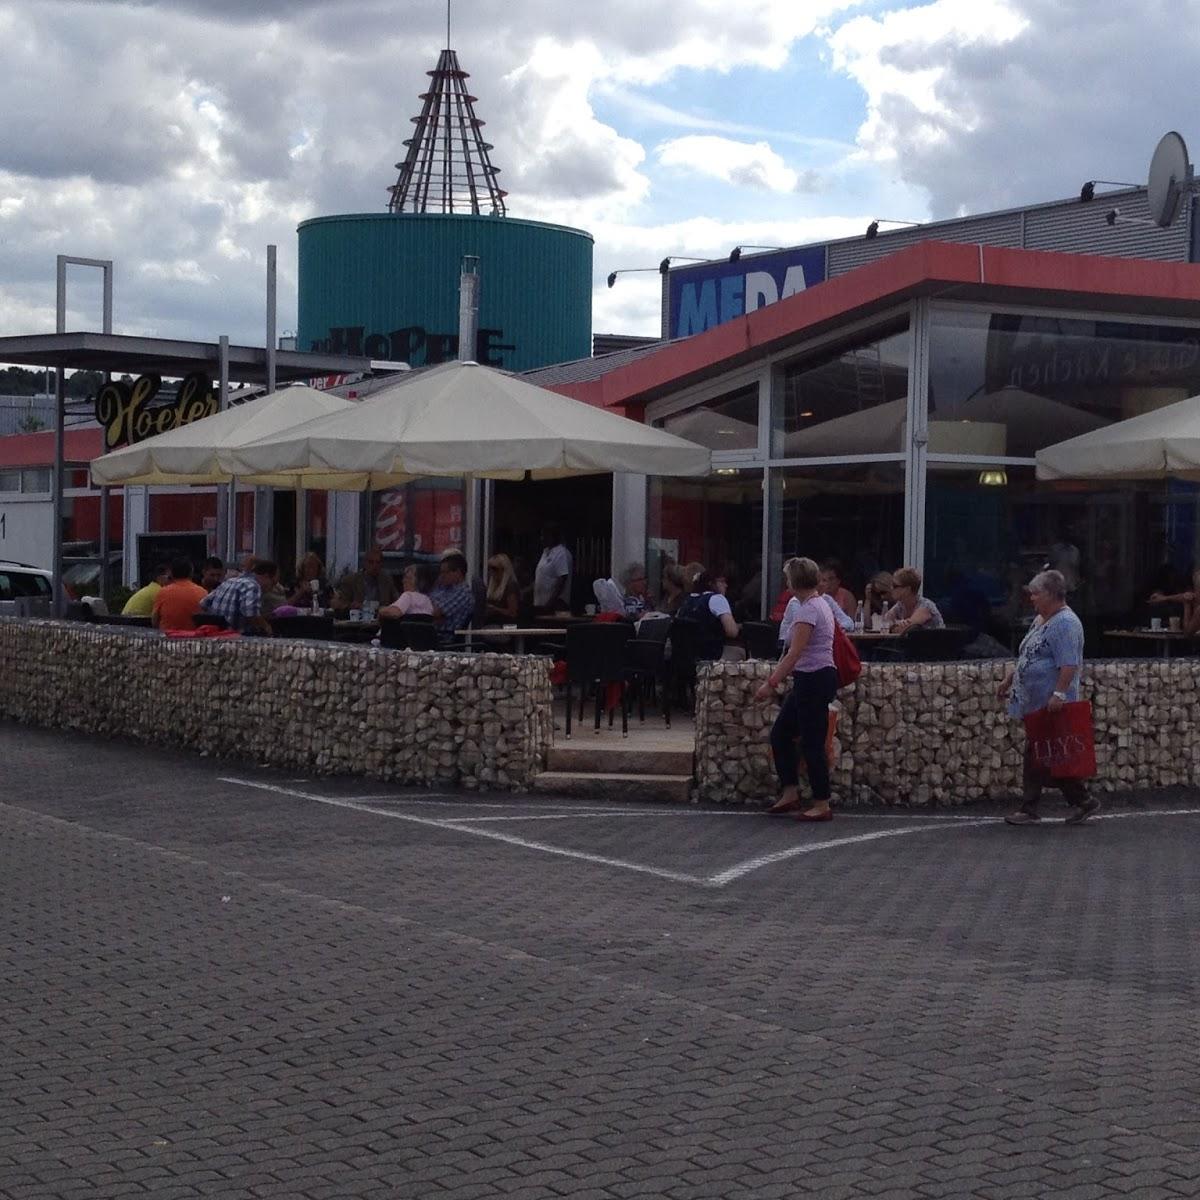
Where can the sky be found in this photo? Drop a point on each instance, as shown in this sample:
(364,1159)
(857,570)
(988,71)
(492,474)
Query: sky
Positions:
(180,137)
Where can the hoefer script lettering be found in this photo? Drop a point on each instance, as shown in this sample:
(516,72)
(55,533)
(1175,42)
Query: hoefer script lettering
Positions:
(127,415)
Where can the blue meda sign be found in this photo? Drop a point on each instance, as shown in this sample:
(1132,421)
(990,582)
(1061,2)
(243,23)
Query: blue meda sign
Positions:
(712,293)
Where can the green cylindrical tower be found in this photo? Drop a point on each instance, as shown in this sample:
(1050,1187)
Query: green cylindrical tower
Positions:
(386,286)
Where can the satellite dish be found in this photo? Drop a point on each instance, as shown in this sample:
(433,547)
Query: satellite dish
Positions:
(1170,173)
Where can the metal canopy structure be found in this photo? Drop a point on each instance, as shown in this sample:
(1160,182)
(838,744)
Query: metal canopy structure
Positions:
(122,355)
(447,168)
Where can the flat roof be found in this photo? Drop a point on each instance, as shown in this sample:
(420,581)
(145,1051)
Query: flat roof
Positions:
(947,270)
(124,355)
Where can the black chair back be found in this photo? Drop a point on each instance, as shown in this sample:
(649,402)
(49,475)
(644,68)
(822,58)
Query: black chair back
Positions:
(117,619)
(305,625)
(407,635)
(418,618)
(214,619)
(78,611)
(654,630)
(596,653)
(761,638)
(935,645)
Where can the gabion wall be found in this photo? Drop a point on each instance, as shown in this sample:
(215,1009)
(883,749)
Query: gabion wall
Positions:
(477,720)
(934,733)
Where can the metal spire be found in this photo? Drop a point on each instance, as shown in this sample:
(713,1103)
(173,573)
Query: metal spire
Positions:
(447,168)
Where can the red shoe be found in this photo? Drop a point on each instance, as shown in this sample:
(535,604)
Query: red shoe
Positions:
(827,815)
(782,807)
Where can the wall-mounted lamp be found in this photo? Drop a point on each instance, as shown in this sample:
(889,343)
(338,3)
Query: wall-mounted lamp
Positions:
(736,252)
(873,228)
(1088,191)
(994,478)
(662,268)
(1113,217)
(726,471)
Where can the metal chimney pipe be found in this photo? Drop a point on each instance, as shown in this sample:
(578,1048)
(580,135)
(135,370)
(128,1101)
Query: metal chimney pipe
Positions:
(468,309)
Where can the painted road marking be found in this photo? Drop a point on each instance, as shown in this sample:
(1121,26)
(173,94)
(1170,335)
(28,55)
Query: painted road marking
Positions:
(469,826)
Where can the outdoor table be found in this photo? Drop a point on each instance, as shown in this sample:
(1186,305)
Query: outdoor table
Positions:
(1164,637)
(355,631)
(561,620)
(872,635)
(519,635)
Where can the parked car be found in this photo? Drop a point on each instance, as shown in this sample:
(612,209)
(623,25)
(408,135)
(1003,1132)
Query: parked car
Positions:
(24,590)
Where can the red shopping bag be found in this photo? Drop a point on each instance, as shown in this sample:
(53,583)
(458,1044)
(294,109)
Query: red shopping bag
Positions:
(845,657)
(1062,743)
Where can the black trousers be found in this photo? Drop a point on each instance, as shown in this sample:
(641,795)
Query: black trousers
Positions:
(805,716)
(1034,778)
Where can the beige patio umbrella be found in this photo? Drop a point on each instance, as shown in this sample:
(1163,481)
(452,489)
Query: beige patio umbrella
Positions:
(1163,443)
(462,419)
(192,453)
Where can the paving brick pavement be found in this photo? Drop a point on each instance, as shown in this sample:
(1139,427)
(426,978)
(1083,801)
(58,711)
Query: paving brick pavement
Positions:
(220,992)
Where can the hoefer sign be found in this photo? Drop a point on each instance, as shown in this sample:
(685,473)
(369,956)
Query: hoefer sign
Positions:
(710,294)
(125,411)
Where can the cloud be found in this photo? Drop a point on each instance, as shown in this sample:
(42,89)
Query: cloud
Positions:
(988,104)
(743,164)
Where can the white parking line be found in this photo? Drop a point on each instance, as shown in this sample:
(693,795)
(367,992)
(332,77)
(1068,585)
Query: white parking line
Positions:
(931,822)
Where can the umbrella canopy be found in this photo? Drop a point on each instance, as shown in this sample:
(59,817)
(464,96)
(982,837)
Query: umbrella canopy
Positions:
(462,419)
(192,453)
(1154,445)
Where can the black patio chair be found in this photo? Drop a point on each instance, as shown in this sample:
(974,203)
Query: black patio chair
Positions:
(214,619)
(595,657)
(761,639)
(78,611)
(407,635)
(685,642)
(646,666)
(304,625)
(134,622)
(935,645)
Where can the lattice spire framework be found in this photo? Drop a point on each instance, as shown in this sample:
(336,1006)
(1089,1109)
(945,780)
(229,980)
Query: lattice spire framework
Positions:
(447,168)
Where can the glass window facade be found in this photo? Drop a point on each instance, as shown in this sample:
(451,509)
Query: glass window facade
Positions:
(730,423)
(847,401)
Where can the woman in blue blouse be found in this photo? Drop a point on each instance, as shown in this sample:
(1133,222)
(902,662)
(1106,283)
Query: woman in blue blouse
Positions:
(1046,675)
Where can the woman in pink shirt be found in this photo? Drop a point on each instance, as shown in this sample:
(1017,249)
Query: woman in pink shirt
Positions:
(805,711)
(412,601)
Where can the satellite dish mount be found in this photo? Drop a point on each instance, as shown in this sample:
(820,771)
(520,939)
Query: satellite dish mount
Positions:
(1170,176)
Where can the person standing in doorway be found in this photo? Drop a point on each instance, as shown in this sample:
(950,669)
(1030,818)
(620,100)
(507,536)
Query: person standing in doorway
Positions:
(805,711)
(1046,675)
(552,577)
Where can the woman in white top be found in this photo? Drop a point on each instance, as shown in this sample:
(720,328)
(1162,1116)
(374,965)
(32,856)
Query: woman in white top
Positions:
(411,601)
(805,712)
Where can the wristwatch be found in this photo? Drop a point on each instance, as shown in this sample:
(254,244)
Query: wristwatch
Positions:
(1060,695)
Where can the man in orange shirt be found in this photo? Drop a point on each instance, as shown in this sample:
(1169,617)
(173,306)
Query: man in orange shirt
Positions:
(179,601)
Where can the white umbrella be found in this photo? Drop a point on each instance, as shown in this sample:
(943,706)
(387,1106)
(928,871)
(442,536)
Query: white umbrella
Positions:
(191,453)
(462,419)
(1154,445)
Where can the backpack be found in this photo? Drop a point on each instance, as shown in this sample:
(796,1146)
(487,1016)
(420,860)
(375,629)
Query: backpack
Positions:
(845,657)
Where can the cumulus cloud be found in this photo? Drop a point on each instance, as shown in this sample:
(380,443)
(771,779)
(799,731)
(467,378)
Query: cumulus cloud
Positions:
(745,164)
(987,104)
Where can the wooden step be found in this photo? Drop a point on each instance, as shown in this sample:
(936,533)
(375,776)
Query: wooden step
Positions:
(580,757)
(613,785)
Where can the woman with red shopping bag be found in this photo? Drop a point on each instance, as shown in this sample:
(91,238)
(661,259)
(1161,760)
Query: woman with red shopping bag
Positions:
(1043,688)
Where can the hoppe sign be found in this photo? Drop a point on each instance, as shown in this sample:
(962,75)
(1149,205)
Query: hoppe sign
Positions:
(126,412)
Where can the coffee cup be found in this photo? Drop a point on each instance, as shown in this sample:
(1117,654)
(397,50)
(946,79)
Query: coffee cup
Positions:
(590,609)
(1156,624)
(1176,624)
(356,614)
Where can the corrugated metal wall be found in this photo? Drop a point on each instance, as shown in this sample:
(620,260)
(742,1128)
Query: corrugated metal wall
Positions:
(376,279)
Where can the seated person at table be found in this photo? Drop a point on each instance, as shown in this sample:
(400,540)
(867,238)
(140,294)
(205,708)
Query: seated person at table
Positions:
(310,567)
(1191,610)
(878,596)
(634,599)
(452,599)
(141,603)
(503,592)
(910,610)
(273,597)
(412,601)
(674,593)
(239,600)
(212,573)
(832,585)
(179,601)
(715,626)
(373,585)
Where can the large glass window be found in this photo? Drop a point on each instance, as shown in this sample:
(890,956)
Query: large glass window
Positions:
(730,423)
(852,514)
(989,530)
(1009,384)
(845,402)
(716,521)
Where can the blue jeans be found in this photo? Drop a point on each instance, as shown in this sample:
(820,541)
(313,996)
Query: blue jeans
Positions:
(805,716)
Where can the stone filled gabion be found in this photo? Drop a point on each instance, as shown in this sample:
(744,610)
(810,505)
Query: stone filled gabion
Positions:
(935,734)
(475,720)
